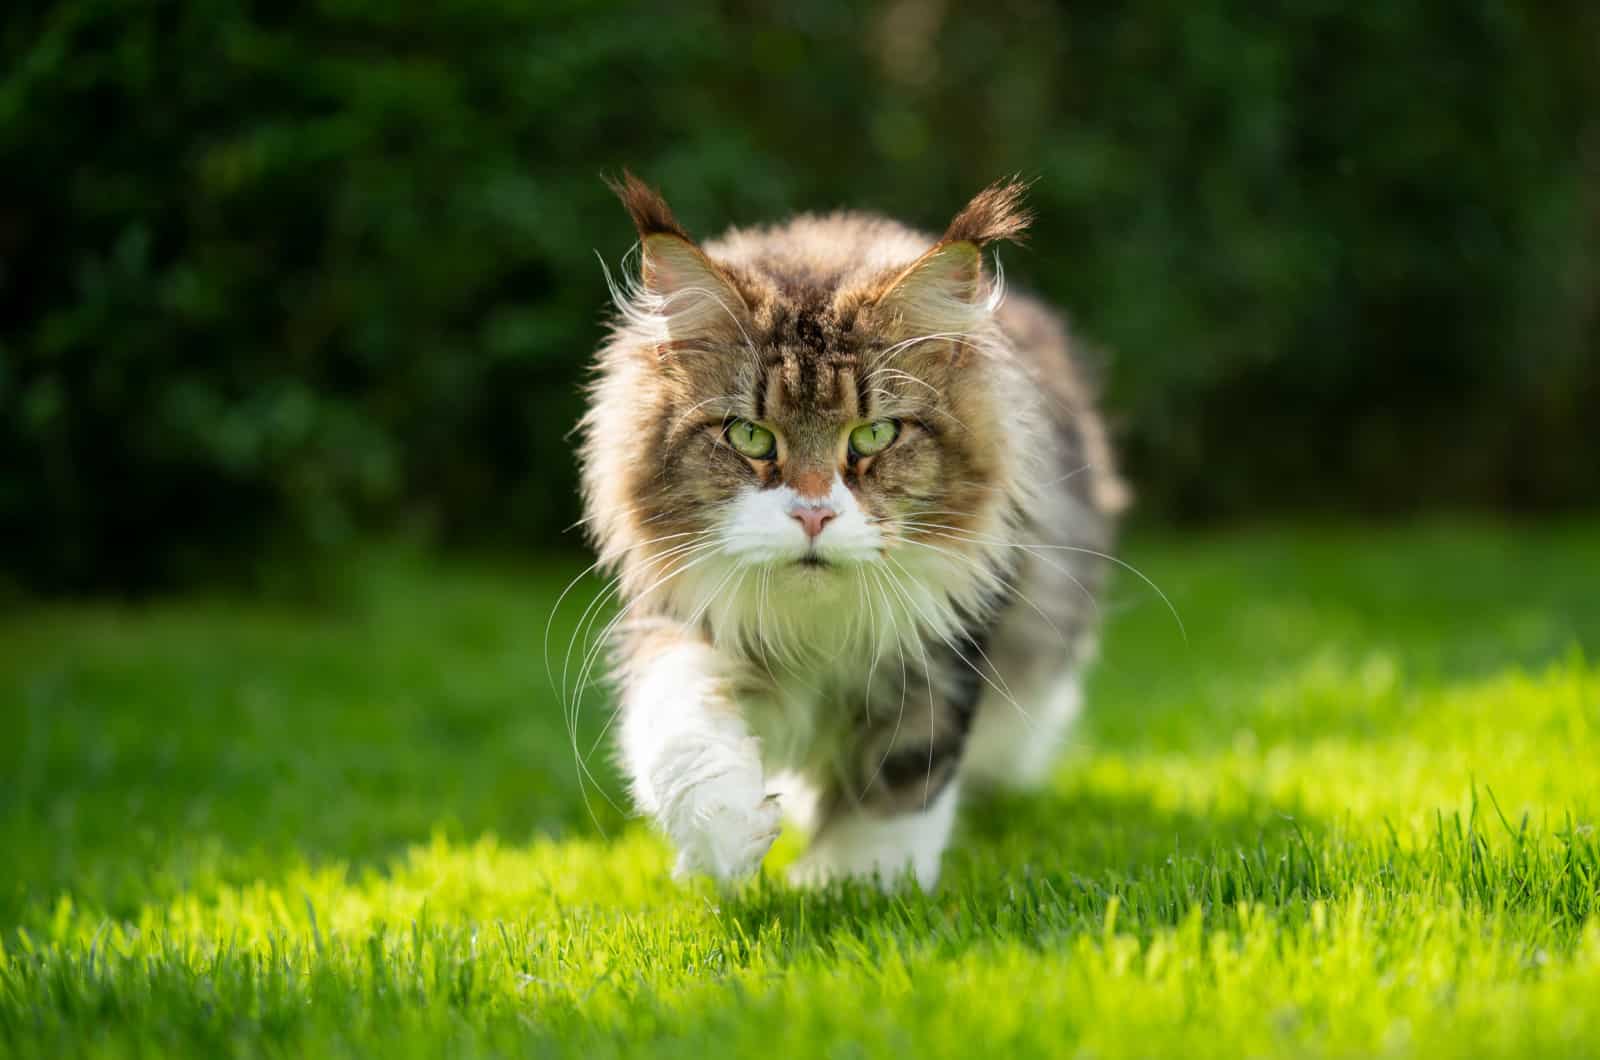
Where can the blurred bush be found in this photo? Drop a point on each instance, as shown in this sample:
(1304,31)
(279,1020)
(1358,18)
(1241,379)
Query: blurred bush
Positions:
(274,274)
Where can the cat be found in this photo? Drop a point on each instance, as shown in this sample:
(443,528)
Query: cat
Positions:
(858,506)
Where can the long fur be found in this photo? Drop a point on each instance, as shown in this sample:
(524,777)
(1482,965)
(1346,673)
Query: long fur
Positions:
(995,213)
(650,212)
(954,585)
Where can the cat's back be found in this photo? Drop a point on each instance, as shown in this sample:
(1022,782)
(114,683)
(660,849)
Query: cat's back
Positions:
(1039,335)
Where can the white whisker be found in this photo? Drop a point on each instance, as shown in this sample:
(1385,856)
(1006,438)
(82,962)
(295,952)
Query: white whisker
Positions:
(1028,547)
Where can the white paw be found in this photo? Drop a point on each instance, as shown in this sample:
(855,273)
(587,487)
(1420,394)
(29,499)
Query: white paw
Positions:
(817,869)
(893,852)
(727,835)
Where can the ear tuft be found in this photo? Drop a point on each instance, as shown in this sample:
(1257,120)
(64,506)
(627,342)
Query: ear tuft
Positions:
(650,212)
(994,213)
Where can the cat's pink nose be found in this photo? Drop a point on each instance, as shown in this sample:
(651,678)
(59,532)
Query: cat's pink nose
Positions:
(813,519)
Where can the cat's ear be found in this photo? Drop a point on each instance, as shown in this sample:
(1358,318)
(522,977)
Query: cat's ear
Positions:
(938,291)
(693,294)
(945,290)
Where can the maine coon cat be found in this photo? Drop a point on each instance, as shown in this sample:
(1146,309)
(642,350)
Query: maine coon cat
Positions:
(858,504)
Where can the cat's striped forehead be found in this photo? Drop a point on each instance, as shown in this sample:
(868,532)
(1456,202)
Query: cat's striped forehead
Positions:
(810,353)
(793,384)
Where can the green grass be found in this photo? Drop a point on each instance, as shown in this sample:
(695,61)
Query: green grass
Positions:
(1353,814)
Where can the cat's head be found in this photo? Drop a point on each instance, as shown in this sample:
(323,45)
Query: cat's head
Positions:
(816,416)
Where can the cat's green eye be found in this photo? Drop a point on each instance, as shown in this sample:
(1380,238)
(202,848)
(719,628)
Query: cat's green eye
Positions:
(870,439)
(751,439)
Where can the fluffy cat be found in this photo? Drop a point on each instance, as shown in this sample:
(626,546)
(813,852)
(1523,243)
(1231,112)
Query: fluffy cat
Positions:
(857,505)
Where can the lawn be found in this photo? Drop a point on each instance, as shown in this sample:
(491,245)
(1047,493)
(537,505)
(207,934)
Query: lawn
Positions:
(1349,809)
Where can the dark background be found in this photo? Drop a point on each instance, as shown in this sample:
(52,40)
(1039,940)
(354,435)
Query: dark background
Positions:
(276,277)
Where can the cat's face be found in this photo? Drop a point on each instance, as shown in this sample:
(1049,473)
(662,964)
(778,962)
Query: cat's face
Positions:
(817,438)
(821,435)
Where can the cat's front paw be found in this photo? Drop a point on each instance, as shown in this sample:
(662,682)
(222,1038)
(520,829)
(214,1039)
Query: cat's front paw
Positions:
(707,792)
(728,835)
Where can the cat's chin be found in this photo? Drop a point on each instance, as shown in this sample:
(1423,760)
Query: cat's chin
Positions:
(813,572)
(814,564)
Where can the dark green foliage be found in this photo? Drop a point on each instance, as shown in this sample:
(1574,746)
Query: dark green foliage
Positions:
(272,273)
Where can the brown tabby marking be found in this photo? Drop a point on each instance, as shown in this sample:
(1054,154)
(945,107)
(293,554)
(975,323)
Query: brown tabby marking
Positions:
(991,504)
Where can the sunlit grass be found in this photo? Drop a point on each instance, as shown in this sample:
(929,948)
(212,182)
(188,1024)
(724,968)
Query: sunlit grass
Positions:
(1353,813)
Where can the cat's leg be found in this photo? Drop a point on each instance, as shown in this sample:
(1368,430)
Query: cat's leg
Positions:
(695,767)
(1014,745)
(887,847)
(889,816)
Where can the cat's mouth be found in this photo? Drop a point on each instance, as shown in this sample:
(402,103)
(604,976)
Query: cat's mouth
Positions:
(811,559)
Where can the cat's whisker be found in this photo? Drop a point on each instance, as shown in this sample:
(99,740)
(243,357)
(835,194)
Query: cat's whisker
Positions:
(761,619)
(897,373)
(651,311)
(730,401)
(1074,473)
(556,607)
(693,620)
(569,716)
(865,612)
(715,297)
(927,678)
(689,555)
(696,538)
(1007,581)
(894,734)
(939,405)
(580,632)
(585,520)
(1107,557)
(606,728)
(592,654)
(666,514)
(944,638)
(960,338)
(572,705)
(1088,594)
